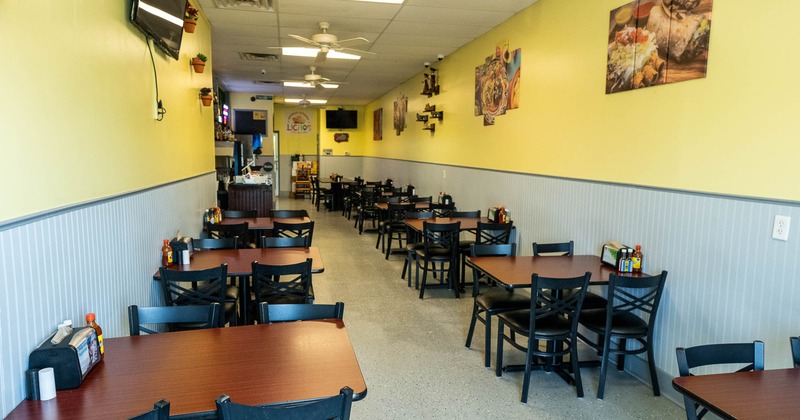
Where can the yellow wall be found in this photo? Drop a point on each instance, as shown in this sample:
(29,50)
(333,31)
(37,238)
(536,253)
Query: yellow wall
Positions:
(296,144)
(355,145)
(733,132)
(78,115)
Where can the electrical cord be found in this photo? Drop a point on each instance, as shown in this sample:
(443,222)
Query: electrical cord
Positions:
(161,110)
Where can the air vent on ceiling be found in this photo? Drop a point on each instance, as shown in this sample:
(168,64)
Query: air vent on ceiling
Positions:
(258,56)
(255,5)
(266,82)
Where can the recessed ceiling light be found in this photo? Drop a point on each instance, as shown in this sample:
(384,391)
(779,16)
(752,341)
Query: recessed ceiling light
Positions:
(312,52)
(313,101)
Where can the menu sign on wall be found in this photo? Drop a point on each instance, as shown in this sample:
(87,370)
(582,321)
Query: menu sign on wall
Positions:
(298,123)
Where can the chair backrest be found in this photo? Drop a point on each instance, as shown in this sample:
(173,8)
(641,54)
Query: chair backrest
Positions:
(336,407)
(442,210)
(288,213)
(237,230)
(557,297)
(636,296)
(441,235)
(493,233)
(417,199)
(273,242)
(397,211)
(215,243)
(491,250)
(160,411)
(239,214)
(207,286)
(749,354)
(288,230)
(475,213)
(282,283)
(201,316)
(298,312)
(562,248)
(419,215)
(795,343)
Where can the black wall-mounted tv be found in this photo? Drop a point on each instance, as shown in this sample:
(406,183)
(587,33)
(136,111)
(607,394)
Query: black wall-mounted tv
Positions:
(341,119)
(161,20)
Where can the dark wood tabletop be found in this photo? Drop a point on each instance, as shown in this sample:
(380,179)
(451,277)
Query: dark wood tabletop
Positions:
(239,260)
(745,395)
(516,271)
(467,223)
(255,364)
(263,223)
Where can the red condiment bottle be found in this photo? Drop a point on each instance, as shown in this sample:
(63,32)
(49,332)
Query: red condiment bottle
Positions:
(166,254)
(90,323)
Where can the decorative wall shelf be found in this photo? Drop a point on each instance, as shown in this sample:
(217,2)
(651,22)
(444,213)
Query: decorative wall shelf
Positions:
(431,109)
(431,84)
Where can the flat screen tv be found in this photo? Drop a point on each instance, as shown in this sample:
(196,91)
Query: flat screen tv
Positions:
(162,21)
(341,119)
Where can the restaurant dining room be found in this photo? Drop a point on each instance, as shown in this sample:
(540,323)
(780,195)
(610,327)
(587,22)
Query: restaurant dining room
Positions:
(512,209)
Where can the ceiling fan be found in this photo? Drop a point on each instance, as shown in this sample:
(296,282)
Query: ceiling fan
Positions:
(314,80)
(327,42)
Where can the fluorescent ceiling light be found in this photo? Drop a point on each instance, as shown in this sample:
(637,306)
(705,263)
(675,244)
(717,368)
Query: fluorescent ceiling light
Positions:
(312,101)
(384,1)
(308,85)
(312,52)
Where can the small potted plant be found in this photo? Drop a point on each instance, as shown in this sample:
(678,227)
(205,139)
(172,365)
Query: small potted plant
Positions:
(190,19)
(199,63)
(205,96)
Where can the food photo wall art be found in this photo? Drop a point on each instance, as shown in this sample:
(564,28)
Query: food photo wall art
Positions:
(497,83)
(655,42)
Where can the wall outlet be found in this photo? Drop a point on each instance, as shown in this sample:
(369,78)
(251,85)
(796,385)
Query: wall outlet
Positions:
(780,229)
(444,174)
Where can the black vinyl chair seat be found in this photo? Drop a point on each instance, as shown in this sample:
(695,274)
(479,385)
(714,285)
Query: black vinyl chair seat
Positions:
(499,300)
(551,327)
(622,324)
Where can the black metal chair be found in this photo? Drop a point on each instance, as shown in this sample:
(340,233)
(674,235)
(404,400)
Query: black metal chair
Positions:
(201,287)
(413,244)
(493,301)
(193,316)
(282,283)
(552,317)
(566,249)
(322,194)
(285,214)
(394,228)
(749,354)
(629,298)
(795,343)
(238,230)
(439,255)
(336,407)
(485,234)
(298,312)
(160,411)
(442,210)
(215,243)
(239,214)
(273,242)
(288,230)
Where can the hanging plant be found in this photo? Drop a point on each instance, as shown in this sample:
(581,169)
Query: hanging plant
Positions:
(199,63)
(190,19)
(205,96)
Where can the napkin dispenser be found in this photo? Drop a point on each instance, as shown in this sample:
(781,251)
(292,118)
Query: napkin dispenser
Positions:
(610,254)
(71,359)
(180,244)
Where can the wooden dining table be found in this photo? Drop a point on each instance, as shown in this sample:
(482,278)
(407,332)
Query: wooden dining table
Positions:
(467,223)
(758,394)
(254,365)
(240,261)
(263,223)
(516,271)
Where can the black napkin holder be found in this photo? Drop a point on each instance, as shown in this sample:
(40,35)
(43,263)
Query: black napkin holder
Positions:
(71,359)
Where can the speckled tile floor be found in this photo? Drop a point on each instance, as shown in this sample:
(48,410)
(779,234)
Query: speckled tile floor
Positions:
(412,352)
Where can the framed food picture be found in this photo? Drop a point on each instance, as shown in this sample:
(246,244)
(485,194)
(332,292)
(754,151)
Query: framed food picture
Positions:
(656,42)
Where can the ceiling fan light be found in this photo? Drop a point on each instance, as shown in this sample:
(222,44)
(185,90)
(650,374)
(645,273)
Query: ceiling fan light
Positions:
(297,84)
(312,101)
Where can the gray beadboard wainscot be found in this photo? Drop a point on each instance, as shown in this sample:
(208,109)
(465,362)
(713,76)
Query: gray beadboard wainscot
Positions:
(97,257)
(729,281)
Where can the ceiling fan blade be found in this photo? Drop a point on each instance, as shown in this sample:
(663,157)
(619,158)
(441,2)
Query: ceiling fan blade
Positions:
(321,55)
(358,51)
(306,40)
(358,38)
